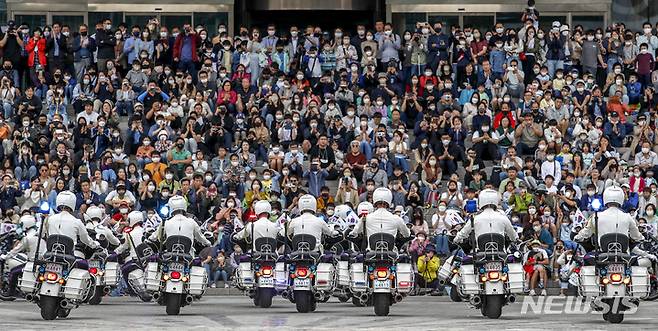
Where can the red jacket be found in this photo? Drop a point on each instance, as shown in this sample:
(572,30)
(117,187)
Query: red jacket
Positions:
(178,46)
(41,44)
(499,117)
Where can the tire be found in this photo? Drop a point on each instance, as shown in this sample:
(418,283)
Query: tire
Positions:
(4,296)
(356,302)
(454,294)
(264,297)
(314,304)
(303,301)
(494,306)
(173,302)
(614,318)
(382,303)
(343,299)
(97,297)
(63,313)
(49,306)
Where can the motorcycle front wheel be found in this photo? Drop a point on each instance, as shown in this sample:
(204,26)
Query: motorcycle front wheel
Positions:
(173,302)
(382,303)
(49,306)
(304,301)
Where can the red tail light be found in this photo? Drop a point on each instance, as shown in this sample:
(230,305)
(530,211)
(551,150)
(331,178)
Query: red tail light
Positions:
(175,275)
(93,271)
(266,271)
(382,273)
(51,276)
(302,272)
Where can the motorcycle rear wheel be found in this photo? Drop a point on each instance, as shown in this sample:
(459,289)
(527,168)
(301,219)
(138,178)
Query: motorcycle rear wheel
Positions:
(382,303)
(173,302)
(454,294)
(63,313)
(49,306)
(613,318)
(494,306)
(264,297)
(303,301)
(97,297)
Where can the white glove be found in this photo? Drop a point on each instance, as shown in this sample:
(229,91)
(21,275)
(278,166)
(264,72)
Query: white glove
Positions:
(651,257)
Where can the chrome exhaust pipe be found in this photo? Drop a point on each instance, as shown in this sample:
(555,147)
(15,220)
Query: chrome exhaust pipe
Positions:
(107,290)
(284,295)
(189,299)
(364,298)
(156,296)
(318,296)
(475,300)
(442,282)
(31,297)
(511,298)
(397,297)
(64,303)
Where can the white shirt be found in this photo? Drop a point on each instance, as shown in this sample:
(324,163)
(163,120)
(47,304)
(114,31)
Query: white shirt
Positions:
(262,228)
(611,220)
(68,225)
(309,224)
(180,225)
(551,168)
(382,221)
(488,221)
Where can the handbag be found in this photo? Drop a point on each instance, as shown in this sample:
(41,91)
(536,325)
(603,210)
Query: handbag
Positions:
(522,56)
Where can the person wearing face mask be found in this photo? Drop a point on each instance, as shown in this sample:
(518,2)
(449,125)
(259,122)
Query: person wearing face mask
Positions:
(551,167)
(488,220)
(647,37)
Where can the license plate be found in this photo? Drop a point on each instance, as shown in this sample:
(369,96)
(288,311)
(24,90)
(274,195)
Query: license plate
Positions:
(382,284)
(266,281)
(94,264)
(493,266)
(616,268)
(176,266)
(52,267)
(302,282)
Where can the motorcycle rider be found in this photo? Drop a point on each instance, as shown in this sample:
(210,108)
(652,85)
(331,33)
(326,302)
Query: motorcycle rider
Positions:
(94,215)
(615,220)
(381,220)
(65,224)
(133,238)
(261,228)
(488,220)
(179,225)
(308,223)
(364,208)
(28,245)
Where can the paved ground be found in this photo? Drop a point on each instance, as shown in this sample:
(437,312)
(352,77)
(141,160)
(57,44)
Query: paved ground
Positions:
(237,312)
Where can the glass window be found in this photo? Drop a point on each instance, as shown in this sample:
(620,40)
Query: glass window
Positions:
(32,20)
(73,21)
(483,22)
(140,20)
(3,11)
(407,21)
(171,21)
(546,22)
(510,20)
(116,17)
(210,20)
(447,20)
(587,21)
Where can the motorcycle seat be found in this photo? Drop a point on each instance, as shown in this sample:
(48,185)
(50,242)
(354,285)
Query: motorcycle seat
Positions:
(57,257)
(612,257)
(303,255)
(176,257)
(381,255)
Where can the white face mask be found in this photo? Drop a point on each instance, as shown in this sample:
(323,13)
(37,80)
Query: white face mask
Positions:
(532,211)
(169,176)
(151,188)
(537,228)
(442,208)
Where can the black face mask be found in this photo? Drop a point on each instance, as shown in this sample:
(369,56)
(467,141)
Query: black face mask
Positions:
(84,33)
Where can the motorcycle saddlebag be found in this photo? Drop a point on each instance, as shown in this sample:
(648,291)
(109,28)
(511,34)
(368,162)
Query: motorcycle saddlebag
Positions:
(515,278)
(589,282)
(198,280)
(343,273)
(470,283)
(358,277)
(77,284)
(640,285)
(28,282)
(111,276)
(325,277)
(245,274)
(405,277)
(280,276)
(153,276)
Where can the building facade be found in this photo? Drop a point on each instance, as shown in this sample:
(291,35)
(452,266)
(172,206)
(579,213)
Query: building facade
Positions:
(329,13)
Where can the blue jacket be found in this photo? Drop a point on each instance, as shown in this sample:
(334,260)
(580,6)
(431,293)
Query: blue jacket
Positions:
(616,139)
(79,52)
(315,180)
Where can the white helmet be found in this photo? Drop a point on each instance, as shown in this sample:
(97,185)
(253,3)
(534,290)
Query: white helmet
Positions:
(341,211)
(382,194)
(306,202)
(613,194)
(176,203)
(262,206)
(135,217)
(65,199)
(364,208)
(488,197)
(27,221)
(93,212)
